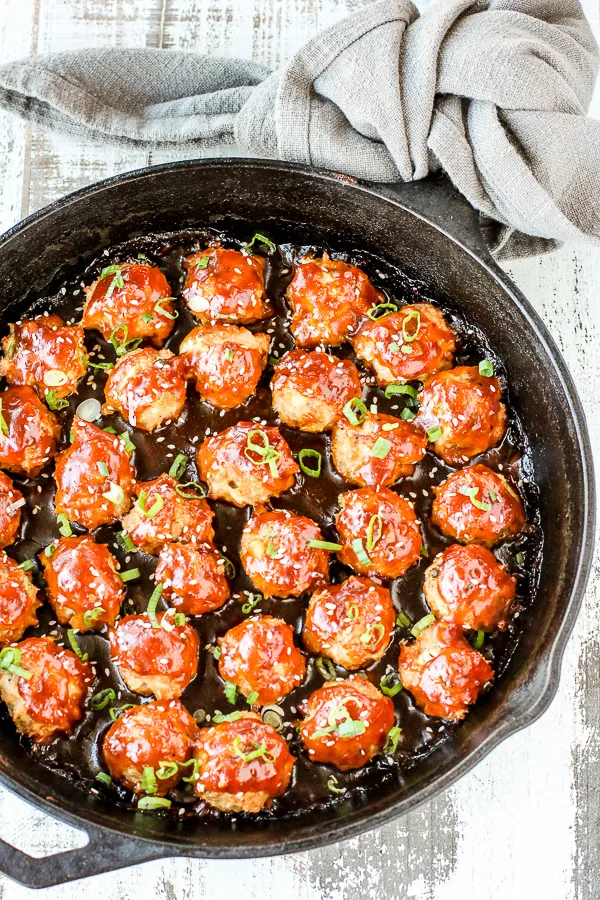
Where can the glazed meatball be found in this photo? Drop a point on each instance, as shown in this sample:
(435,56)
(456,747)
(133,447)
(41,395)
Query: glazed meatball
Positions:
(46,354)
(379,532)
(378,451)
(132,302)
(160,660)
(276,555)
(442,671)
(469,587)
(11,501)
(226,362)
(464,409)
(193,578)
(247,464)
(145,738)
(147,387)
(45,688)
(346,724)
(242,765)
(18,601)
(310,390)
(329,300)
(29,432)
(83,585)
(351,623)
(183,516)
(477,506)
(230,287)
(84,493)
(259,657)
(411,343)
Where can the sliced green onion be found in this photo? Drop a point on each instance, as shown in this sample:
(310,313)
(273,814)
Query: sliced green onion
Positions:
(392,389)
(164,312)
(153,603)
(422,624)
(11,346)
(519,559)
(129,575)
(261,239)
(101,365)
(230,717)
(406,336)
(252,698)
(115,494)
(260,751)
(216,652)
(147,318)
(103,698)
(352,612)
(153,803)
(109,430)
(381,448)
(189,495)
(202,263)
(195,763)
(65,528)
(103,777)
(129,445)
(374,530)
(332,785)
(253,601)
(308,453)
(10,659)
(394,348)
(90,616)
(492,494)
(434,434)
(75,646)
(230,692)
(351,728)
(386,310)
(125,542)
(3,422)
(117,280)
(324,545)
(325,668)
(361,553)
(486,368)
(271,550)
(168,768)
(123,347)
(103,469)
(229,354)
(479,639)
(54,402)
(391,741)
(273,715)
(355,411)
(372,635)
(155,508)
(50,550)
(178,466)
(390,685)
(268,453)
(115,711)
(29,564)
(402,620)
(471,493)
(407,414)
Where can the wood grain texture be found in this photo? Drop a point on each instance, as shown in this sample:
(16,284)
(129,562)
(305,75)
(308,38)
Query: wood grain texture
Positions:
(526,822)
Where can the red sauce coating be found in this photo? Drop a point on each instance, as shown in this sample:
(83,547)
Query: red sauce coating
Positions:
(10,514)
(193,578)
(18,601)
(466,407)
(226,362)
(398,444)
(160,661)
(276,556)
(259,655)
(442,671)
(51,701)
(46,354)
(310,390)
(145,737)
(383,346)
(232,776)
(243,476)
(351,699)
(30,432)
(134,305)
(388,528)
(230,288)
(456,514)
(147,387)
(469,587)
(351,623)
(329,299)
(81,486)
(81,577)
(185,518)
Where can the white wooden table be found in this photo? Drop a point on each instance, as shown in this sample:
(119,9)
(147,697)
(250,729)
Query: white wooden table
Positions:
(526,822)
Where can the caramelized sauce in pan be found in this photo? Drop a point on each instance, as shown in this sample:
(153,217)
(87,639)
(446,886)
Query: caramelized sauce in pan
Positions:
(79,757)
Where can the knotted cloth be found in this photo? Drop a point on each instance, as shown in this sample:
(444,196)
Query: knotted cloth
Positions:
(494,93)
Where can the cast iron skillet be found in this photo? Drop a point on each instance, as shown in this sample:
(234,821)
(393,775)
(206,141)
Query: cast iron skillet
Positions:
(432,234)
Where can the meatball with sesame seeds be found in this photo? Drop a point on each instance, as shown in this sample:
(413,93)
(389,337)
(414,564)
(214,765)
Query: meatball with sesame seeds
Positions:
(94,477)
(247,464)
(442,671)
(379,532)
(11,501)
(346,723)
(226,286)
(310,390)
(411,343)
(82,582)
(157,657)
(477,506)
(226,362)
(462,412)
(29,432)
(351,623)
(193,578)
(132,302)
(378,451)
(329,300)
(259,656)
(44,688)
(166,512)
(242,764)
(18,601)
(469,587)
(147,748)
(147,387)
(46,354)
(277,555)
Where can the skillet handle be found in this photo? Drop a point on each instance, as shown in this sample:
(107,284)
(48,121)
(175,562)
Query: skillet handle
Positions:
(105,852)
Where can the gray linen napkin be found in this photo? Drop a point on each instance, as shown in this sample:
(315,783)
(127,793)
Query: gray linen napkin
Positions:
(494,93)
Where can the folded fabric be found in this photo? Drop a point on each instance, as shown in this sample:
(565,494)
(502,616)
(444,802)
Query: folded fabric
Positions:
(494,93)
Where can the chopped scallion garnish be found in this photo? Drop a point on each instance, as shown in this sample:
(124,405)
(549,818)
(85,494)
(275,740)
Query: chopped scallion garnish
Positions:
(402,620)
(471,493)
(116,282)
(391,741)
(325,668)
(382,310)
(434,434)
(178,466)
(91,615)
(374,530)
(153,803)
(332,785)
(486,368)
(230,692)
(230,717)
(123,346)
(253,601)
(64,526)
(103,698)
(308,453)
(104,777)
(115,494)
(153,603)
(55,402)
(324,545)
(355,411)
(392,389)
(103,469)
(381,448)
(197,494)
(75,646)
(3,422)
(165,312)
(28,565)
(261,239)
(361,553)
(116,711)
(125,542)
(390,685)
(129,575)
(252,698)
(10,659)
(422,624)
